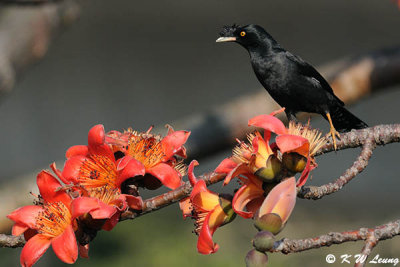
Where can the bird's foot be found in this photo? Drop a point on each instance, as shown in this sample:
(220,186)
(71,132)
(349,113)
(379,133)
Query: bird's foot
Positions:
(333,133)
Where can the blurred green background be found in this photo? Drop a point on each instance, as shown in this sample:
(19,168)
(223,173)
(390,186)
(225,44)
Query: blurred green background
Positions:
(142,63)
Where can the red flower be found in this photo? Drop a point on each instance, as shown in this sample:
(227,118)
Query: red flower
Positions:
(252,164)
(52,222)
(154,155)
(95,173)
(297,138)
(208,209)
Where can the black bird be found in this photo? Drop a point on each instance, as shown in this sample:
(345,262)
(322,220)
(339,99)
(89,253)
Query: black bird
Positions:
(292,82)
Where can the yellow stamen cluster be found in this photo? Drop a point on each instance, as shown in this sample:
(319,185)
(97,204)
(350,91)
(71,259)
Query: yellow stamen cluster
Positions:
(199,216)
(241,153)
(312,135)
(146,148)
(53,220)
(181,168)
(107,194)
(97,171)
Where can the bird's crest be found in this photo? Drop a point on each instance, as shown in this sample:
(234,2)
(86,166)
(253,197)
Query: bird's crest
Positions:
(228,30)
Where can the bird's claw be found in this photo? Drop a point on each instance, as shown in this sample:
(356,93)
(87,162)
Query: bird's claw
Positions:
(333,133)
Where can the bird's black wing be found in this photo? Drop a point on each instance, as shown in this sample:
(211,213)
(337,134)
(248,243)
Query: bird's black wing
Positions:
(310,72)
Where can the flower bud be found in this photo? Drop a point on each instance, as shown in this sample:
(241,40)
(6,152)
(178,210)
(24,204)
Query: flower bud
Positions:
(225,201)
(272,168)
(256,259)
(294,162)
(263,241)
(271,222)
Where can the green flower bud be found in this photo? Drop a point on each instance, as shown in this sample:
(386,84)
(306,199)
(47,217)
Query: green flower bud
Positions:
(294,162)
(271,222)
(263,241)
(225,201)
(272,168)
(256,259)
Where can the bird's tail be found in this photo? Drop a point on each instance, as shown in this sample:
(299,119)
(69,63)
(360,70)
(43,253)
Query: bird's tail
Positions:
(344,121)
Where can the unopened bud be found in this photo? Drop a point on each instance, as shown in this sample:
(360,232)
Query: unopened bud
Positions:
(256,259)
(272,168)
(263,241)
(294,162)
(271,222)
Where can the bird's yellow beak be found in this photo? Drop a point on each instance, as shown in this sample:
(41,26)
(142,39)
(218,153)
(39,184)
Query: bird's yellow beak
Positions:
(225,39)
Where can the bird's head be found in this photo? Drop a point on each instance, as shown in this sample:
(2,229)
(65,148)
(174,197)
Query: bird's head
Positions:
(248,36)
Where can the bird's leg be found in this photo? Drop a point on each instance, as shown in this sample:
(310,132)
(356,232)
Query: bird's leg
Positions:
(332,131)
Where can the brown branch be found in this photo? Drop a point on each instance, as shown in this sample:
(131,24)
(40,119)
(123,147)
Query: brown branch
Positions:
(367,138)
(10,241)
(370,243)
(317,192)
(166,199)
(382,232)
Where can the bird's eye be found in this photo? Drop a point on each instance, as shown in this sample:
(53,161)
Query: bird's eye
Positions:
(242,34)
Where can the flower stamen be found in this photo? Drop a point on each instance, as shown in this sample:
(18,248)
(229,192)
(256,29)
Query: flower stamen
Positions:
(97,171)
(53,220)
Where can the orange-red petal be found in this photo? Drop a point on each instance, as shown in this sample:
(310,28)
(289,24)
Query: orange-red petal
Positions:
(226,166)
(25,215)
(281,199)
(167,175)
(84,251)
(186,207)
(34,249)
(112,222)
(305,173)
(293,143)
(65,247)
(82,205)
(133,202)
(19,228)
(192,178)
(238,170)
(244,196)
(205,244)
(79,150)
(205,200)
(104,211)
(128,167)
(48,186)
(173,143)
(72,166)
(269,123)
(96,141)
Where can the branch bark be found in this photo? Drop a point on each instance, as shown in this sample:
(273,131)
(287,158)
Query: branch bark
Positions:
(382,232)
(10,241)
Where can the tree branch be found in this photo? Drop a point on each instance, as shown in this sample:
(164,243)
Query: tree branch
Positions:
(370,243)
(368,138)
(382,232)
(10,241)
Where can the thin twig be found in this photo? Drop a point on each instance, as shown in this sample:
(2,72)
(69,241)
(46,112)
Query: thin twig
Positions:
(382,232)
(369,245)
(171,197)
(317,192)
